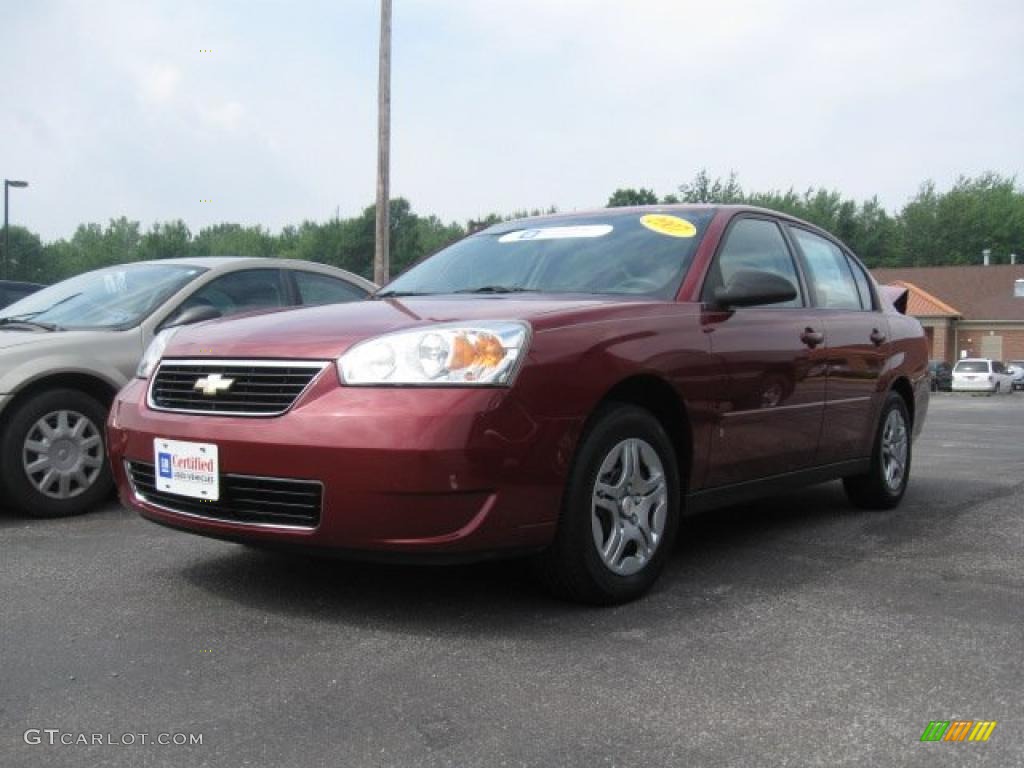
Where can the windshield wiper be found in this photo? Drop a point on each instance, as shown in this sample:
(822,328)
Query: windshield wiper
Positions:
(392,294)
(498,289)
(32,323)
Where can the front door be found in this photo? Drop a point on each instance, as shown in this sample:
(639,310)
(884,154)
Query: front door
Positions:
(771,408)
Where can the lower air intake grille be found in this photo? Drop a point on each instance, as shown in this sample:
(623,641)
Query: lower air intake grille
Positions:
(243,499)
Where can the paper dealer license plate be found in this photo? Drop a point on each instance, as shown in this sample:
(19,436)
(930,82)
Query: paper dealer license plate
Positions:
(187,469)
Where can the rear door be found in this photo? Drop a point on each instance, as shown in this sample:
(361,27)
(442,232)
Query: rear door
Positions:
(857,346)
(771,410)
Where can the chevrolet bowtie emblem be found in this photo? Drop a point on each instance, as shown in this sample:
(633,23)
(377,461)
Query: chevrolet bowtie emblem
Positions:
(212,384)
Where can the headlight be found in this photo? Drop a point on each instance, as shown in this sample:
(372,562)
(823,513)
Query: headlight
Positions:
(154,352)
(473,354)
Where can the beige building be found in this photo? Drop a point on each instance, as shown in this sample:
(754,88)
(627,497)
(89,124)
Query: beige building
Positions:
(972,311)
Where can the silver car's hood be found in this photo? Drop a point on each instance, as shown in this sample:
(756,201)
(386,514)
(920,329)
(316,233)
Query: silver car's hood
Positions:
(108,356)
(49,340)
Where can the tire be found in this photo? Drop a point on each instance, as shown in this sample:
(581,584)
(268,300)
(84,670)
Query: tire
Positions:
(634,514)
(879,488)
(62,427)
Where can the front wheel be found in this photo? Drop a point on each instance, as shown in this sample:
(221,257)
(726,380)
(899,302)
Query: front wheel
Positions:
(620,512)
(885,482)
(54,463)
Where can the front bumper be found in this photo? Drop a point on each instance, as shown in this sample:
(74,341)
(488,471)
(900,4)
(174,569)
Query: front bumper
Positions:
(420,471)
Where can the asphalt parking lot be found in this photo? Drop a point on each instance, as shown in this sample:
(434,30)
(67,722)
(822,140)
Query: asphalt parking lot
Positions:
(792,632)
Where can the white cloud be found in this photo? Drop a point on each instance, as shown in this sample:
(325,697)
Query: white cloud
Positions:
(160,84)
(112,109)
(227,116)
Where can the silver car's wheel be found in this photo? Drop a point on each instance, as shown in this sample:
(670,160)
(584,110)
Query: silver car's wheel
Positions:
(894,450)
(629,506)
(63,454)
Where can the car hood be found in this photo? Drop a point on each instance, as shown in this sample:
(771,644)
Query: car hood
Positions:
(48,340)
(325,332)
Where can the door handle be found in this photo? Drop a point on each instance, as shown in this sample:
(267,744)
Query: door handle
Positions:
(877,337)
(811,337)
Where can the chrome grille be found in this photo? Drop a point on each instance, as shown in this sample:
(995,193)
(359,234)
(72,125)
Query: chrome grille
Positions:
(243,498)
(257,387)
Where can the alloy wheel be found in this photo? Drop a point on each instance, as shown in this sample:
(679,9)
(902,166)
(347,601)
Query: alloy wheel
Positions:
(629,506)
(895,446)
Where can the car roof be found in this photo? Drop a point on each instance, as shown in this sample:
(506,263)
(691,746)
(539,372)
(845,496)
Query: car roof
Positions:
(231,263)
(635,210)
(975,360)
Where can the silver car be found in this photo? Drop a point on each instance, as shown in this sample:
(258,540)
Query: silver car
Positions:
(66,350)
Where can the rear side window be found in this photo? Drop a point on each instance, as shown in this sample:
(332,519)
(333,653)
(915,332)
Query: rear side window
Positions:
(830,275)
(315,288)
(753,244)
(863,286)
(972,366)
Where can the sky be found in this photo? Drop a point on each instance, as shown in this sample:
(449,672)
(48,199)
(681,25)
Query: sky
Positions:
(264,112)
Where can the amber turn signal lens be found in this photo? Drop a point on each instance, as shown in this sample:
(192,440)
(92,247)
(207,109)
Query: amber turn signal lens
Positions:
(483,350)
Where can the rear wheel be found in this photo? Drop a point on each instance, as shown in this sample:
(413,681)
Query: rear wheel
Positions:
(54,462)
(885,482)
(620,513)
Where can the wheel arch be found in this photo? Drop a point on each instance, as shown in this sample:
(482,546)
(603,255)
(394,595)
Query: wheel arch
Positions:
(654,394)
(902,387)
(95,386)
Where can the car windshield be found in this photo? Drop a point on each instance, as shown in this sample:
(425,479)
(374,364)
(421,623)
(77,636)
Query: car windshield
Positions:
(625,254)
(972,366)
(115,297)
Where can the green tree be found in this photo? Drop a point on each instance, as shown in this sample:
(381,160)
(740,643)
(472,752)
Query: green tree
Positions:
(234,240)
(166,241)
(704,189)
(25,260)
(626,197)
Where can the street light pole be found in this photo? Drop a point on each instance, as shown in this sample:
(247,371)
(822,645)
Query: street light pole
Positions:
(8,183)
(382,244)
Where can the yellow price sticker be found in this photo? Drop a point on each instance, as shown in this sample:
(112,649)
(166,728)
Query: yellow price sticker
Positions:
(673,226)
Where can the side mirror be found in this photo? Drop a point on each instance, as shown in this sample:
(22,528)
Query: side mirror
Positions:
(191,315)
(751,287)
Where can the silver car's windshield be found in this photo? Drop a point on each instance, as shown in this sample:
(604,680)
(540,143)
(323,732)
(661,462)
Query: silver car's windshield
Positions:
(115,297)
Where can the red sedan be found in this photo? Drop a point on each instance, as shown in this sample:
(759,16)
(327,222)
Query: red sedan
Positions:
(564,386)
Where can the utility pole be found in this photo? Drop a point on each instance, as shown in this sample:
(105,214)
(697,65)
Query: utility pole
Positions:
(382,244)
(8,183)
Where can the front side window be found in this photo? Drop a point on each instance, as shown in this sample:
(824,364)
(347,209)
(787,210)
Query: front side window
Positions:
(619,254)
(237,292)
(755,244)
(830,276)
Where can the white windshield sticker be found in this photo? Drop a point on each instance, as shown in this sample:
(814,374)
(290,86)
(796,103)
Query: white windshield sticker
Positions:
(556,233)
